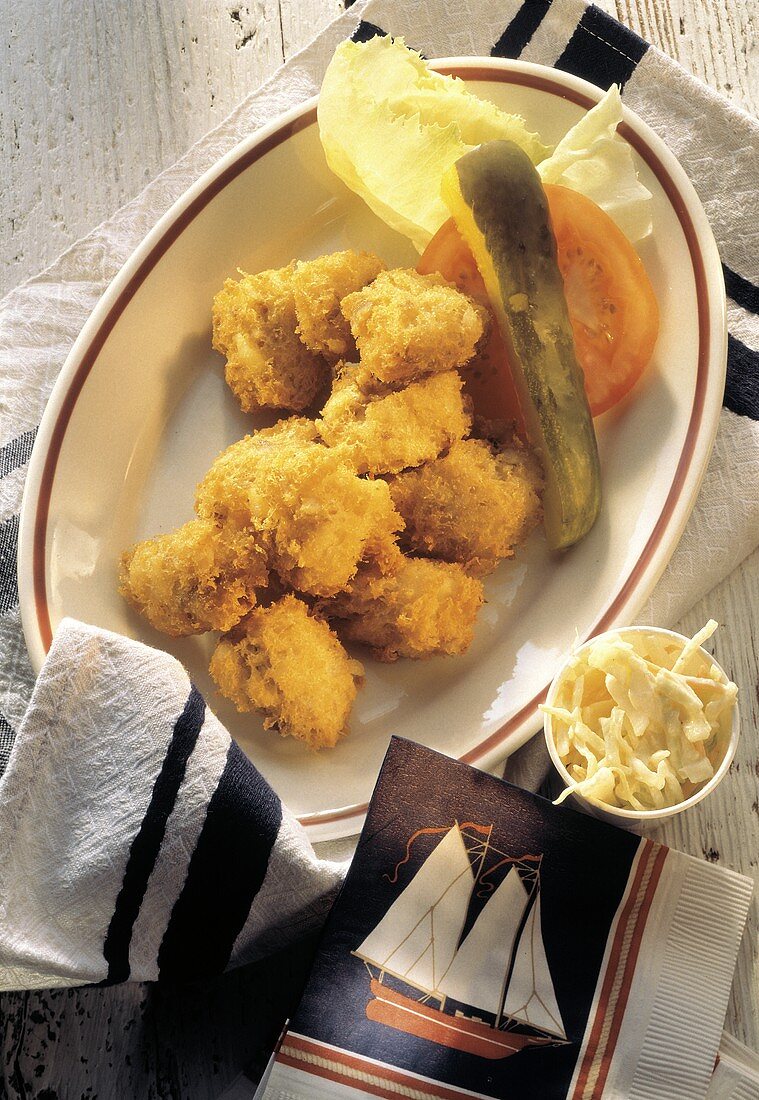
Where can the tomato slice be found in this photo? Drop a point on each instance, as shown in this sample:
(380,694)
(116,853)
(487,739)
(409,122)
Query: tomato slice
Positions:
(611,303)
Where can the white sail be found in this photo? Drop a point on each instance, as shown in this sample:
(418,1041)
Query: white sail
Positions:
(531,998)
(418,936)
(477,974)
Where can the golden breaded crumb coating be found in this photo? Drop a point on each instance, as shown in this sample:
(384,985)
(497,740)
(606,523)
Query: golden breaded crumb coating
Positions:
(423,608)
(318,519)
(385,431)
(255,327)
(406,325)
(325,520)
(320,285)
(194,579)
(474,505)
(290,665)
(224,493)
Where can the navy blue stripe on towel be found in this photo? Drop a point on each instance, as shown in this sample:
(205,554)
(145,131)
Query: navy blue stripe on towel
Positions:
(226,872)
(365,30)
(601,50)
(521,28)
(7,737)
(8,563)
(147,843)
(17,452)
(742,382)
(742,292)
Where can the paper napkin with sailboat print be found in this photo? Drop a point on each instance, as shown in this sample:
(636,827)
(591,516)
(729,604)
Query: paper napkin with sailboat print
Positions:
(489,944)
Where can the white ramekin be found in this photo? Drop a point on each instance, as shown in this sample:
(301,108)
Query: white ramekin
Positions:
(630,819)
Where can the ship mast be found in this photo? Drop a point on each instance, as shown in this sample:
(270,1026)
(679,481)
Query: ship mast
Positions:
(484,844)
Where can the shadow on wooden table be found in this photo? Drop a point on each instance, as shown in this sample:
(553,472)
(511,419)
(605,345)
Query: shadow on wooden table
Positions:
(153,1040)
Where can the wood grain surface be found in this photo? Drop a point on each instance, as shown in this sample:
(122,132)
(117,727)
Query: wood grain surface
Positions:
(95,99)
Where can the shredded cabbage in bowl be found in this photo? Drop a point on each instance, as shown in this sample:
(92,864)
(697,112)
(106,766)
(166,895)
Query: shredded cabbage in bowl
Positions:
(641,720)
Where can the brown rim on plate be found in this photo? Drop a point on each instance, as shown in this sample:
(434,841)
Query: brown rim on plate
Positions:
(217,184)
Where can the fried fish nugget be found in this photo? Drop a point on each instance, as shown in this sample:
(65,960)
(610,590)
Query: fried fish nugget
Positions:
(474,505)
(290,665)
(194,579)
(422,608)
(382,432)
(325,520)
(319,286)
(224,493)
(317,517)
(406,325)
(255,327)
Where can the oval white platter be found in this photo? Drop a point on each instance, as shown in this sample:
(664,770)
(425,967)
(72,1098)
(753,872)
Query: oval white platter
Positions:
(141,409)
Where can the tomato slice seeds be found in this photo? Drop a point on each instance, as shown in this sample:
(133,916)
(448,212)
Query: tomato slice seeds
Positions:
(611,303)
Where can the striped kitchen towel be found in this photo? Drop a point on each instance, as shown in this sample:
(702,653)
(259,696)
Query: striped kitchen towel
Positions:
(137,840)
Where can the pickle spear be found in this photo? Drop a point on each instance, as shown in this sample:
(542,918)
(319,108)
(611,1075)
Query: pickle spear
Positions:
(496,198)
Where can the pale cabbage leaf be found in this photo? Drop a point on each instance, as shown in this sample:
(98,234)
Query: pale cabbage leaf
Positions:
(592,158)
(391,128)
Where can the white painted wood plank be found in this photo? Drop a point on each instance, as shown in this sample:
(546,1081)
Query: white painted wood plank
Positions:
(716,40)
(97,98)
(300,21)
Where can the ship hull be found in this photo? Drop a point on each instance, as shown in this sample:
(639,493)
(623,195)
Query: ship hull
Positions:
(472,1036)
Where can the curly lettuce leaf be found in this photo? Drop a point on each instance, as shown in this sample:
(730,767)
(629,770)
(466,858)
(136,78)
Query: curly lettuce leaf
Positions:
(391,128)
(593,159)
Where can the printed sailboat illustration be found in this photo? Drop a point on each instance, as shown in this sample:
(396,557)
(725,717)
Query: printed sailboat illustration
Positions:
(493,990)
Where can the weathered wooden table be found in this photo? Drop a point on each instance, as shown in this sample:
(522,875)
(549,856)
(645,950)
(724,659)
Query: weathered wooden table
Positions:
(95,99)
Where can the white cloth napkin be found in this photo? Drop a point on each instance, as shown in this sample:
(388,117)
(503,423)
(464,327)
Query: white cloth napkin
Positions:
(138,840)
(91,751)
